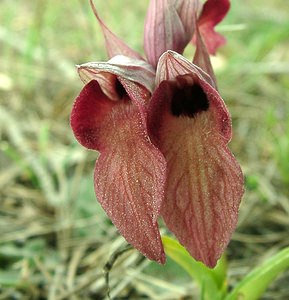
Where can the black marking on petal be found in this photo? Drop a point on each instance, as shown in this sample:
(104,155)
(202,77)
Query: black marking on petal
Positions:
(120,89)
(188,101)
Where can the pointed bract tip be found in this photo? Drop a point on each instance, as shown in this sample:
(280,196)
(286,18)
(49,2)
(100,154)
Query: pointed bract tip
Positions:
(114,45)
(168,55)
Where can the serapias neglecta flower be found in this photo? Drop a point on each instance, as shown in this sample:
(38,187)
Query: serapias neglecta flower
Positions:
(162,131)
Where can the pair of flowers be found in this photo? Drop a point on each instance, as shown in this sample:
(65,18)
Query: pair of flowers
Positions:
(162,131)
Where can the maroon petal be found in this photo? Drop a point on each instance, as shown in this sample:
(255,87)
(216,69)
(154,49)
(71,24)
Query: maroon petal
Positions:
(130,171)
(168,26)
(213,13)
(114,45)
(190,124)
(89,113)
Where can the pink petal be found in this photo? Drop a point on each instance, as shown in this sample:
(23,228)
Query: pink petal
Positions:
(130,172)
(114,45)
(128,184)
(168,26)
(190,124)
(187,9)
(132,69)
(213,13)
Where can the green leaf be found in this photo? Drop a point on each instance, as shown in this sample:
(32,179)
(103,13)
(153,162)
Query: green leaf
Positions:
(256,282)
(212,282)
(9,278)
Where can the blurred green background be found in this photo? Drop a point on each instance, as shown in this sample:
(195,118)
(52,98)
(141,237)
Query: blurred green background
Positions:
(54,237)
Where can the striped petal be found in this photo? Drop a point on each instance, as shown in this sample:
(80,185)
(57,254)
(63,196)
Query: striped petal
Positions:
(168,26)
(135,70)
(190,124)
(129,174)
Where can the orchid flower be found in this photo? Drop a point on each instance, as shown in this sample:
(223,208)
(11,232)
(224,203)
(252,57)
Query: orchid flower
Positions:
(190,124)
(162,130)
(109,116)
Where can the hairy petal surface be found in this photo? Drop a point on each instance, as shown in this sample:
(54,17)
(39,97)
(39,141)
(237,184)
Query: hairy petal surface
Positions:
(129,174)
(190,124)
(168,26)
(213,13)
(114,45)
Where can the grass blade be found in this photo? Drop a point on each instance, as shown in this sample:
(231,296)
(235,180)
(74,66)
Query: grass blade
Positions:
(256,282)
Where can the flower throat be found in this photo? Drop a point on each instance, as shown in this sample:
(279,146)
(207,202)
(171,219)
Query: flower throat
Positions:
(189,101)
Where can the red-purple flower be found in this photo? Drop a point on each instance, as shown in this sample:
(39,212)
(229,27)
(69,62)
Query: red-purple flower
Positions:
(162,131)
(190,124)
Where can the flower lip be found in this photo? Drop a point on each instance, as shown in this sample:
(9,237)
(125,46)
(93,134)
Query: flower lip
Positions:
(204,182)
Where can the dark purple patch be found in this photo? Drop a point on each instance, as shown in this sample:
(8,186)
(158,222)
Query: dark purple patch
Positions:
(120,89)
(188,101)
